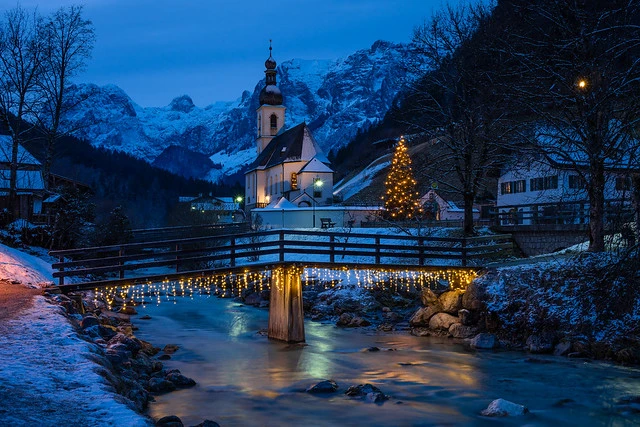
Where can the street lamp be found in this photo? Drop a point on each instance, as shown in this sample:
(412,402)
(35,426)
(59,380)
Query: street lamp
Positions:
(317,184)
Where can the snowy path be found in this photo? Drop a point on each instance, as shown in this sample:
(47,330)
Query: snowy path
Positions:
(48,374)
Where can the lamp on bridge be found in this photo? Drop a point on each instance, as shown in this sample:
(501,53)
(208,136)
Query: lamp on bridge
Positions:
(317,188)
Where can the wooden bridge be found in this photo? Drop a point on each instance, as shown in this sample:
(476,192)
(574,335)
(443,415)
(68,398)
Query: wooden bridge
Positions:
(286,253)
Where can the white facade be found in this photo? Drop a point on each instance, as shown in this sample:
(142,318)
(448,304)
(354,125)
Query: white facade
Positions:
(528,191)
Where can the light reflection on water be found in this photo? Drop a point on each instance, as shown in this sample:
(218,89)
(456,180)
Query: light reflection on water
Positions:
(246,380)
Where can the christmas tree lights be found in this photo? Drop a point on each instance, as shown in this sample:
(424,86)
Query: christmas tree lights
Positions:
(401,199)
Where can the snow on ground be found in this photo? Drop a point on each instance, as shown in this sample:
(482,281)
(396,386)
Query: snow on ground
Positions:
(361,180)
(47,372)
(27,269)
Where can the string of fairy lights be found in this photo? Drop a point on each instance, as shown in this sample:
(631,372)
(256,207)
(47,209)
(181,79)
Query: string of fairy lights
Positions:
(318,278)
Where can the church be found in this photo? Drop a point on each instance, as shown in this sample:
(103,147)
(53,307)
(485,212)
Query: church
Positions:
(290,169)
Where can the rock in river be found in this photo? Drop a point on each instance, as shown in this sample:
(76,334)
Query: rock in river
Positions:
(326,386)
(504,408)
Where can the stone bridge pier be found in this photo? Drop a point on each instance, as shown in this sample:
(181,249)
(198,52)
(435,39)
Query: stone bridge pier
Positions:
(286,317)
(546,238)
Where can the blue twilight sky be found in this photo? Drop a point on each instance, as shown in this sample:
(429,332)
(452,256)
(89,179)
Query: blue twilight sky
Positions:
(212,50)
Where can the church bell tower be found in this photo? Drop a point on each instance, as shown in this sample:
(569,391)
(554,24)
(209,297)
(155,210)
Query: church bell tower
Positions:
(271,113)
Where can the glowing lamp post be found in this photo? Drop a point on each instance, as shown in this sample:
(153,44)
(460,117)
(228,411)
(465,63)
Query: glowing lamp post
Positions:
(317,185)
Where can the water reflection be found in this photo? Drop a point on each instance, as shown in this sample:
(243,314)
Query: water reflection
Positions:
(245,380)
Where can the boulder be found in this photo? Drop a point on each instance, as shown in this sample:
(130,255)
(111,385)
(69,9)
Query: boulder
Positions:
(326,386)
(458,330)
(170,348)
(179,380)
(504,408)
(345,319)
(367,392)
(562,349)
(128,310)
(358,322)
(169,421)
(88,321)
(131,344)
(451,301)
(422,316)
(442,321)
(540,343)
(160,385)
(428,297)
(465,316)
(484,341)
(472,298)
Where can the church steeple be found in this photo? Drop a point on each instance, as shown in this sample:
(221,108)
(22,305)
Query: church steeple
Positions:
(270,114)
(270,94)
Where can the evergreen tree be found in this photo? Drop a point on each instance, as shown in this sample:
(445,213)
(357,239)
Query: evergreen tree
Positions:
(401,199)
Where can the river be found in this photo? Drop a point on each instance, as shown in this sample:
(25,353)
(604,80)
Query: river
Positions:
(246,380)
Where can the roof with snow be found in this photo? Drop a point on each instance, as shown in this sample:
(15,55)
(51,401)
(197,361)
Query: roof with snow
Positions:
(24,157)
(294,145)
(315,166)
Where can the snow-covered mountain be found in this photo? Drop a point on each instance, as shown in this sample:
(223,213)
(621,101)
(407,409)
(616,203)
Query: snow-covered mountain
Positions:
(336,99)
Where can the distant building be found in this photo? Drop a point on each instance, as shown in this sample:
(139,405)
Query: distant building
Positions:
(537,190)
(437,208)
(216,209)
(289,163)
(30,186)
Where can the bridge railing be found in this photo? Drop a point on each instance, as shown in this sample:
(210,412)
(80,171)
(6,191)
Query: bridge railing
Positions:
(153,259)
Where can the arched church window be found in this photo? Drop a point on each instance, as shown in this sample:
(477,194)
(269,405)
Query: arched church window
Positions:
(274,124)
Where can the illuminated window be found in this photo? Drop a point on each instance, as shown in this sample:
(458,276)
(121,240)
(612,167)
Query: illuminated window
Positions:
(294,181)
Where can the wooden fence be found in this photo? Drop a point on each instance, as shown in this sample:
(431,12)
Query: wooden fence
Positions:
(132,262)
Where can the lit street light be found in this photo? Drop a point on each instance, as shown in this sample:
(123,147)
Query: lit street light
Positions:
(317,184)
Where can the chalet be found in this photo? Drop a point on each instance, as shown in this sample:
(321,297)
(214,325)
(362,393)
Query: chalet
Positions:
(537,190)
(289,163)
(30,186)
(218,209)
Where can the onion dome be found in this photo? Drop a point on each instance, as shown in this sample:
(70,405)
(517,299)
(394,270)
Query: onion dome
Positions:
(270,93)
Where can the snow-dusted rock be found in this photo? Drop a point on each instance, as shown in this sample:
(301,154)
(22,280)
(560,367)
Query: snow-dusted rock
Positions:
(451,301)
(465,316)
(504,408)
(458,330)
(562,349)
(472,298)
(442,321)
(484,341)
(542,343)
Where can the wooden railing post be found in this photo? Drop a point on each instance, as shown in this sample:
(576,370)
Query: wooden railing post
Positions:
(463,252)
(421,251)
(332,248)
(121,263)
(177,257)
(232,252)
(61,269)
(377,249)
(281,254)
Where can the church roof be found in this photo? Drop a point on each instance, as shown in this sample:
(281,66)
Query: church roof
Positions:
(295,144)
(315,166)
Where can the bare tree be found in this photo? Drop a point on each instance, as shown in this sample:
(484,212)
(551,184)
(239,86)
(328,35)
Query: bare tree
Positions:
(70,40)
(456,104)
(578,64)
(21,56)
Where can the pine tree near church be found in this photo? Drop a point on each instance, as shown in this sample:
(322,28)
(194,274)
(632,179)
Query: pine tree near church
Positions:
(401,199)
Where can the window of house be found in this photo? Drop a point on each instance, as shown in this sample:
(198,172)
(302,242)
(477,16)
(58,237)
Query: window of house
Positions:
(623,183)
(294,181)
(544,183)
(506,188)
(576,182)
(520,186)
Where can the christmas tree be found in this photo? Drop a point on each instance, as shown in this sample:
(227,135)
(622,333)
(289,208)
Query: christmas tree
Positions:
(401,199)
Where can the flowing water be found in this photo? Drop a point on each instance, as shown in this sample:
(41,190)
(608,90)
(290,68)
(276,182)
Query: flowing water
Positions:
(246,380)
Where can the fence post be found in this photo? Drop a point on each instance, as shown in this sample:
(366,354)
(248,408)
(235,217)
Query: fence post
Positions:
(61,269)
(377,250)
(177,257)
(421,251)
(464,251)
(281,254)
(232,252)
(332,247)
(121,263)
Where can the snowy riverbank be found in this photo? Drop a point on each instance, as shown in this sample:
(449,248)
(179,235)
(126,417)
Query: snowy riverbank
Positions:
(48,373)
